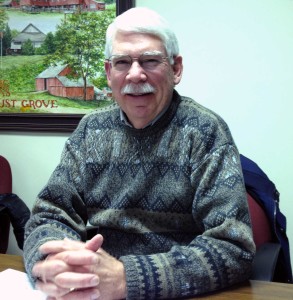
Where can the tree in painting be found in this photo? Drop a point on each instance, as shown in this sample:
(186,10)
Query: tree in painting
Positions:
(3,19)
(79,42)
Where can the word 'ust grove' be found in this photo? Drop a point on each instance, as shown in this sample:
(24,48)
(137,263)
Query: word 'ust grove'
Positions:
(28,103)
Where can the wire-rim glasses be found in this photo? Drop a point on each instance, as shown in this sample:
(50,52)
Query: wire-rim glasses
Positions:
(147,61)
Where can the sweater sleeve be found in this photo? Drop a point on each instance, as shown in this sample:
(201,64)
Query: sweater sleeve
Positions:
(218,257)
(59,210)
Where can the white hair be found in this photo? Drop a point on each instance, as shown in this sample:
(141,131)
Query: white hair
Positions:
(143,20)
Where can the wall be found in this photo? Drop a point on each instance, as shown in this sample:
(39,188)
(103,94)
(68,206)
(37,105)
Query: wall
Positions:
(237,61)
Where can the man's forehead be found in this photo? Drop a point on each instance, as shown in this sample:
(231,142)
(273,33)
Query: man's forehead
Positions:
(136,40)
(121,35)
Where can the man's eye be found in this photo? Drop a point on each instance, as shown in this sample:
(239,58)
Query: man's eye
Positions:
(121,62)
(150,60)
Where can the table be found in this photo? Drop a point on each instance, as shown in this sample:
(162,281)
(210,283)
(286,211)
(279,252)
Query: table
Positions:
(11,261)
(250,290)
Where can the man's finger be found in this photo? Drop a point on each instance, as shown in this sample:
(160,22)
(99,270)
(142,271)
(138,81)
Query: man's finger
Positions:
(51,289)
(76,280)
(78,258)
(46,270)
(61,245)
(86,294)
(95,243)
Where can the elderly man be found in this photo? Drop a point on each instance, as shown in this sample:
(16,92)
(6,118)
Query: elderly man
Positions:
(158,175)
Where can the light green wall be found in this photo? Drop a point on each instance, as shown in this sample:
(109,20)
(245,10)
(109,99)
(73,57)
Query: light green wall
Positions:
(237,61)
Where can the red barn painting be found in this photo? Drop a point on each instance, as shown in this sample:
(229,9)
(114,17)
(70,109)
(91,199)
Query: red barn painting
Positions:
(54,81)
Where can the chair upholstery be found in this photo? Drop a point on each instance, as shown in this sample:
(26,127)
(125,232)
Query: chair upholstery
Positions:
(265,265)
(5,176)
(5,187)
(261,229)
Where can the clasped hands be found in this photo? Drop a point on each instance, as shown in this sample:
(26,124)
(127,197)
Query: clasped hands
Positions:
(75,270)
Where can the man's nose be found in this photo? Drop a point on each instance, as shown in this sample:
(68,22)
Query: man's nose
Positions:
(136,72)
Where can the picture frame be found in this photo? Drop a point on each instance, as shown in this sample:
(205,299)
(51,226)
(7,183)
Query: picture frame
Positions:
(49,122)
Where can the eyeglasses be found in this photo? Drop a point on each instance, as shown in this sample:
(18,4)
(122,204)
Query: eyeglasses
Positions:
(148,62)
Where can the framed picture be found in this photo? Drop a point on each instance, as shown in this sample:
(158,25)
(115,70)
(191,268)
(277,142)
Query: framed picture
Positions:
(42,86)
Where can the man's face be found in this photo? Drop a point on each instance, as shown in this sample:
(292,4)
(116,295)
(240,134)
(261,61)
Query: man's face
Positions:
(141,104)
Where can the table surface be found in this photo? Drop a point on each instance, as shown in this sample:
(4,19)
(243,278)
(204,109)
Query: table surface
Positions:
(12,262)
(250,290)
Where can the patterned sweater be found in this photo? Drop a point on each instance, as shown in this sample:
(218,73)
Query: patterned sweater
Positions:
(168,199)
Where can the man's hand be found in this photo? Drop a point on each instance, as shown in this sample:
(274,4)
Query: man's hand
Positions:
(111,273)
(75,270)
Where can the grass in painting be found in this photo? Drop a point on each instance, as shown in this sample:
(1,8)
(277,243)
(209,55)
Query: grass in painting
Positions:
(20,72)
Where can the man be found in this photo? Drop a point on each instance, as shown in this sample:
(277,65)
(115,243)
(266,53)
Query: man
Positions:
(157,173)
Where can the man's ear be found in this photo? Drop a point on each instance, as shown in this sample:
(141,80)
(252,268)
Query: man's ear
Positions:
(177,69)
(107,67)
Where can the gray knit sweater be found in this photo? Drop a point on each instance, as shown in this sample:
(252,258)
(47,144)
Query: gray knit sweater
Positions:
(168,199)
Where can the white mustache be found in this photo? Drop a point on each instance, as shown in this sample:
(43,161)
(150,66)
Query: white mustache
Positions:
(137,88)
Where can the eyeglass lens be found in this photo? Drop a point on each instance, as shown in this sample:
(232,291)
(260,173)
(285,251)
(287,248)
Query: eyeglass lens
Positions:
(146,61)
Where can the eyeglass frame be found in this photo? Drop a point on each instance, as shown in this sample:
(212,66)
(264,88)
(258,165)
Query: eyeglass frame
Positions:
(132,59)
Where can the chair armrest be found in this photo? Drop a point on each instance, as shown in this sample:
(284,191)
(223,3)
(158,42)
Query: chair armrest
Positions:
(264,264)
